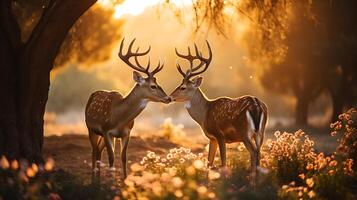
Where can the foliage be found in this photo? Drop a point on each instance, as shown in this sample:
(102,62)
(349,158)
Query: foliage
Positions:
(171,131)
(288,155)
(21,180)
(179,175)
(71,89)
(91,38)
(347,147)
(290,169)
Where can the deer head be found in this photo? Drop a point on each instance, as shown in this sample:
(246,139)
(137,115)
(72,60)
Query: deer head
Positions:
(148,87)
(191,81)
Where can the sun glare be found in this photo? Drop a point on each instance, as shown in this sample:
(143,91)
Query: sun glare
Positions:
(136,7)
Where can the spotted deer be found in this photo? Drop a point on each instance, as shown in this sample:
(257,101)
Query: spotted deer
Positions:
(223,120)
(109,115)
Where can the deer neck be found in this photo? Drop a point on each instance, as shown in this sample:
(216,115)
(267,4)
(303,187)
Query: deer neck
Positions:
(131,105)
(197,107)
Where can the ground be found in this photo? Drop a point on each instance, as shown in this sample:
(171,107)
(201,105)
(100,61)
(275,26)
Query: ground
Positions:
(72,153)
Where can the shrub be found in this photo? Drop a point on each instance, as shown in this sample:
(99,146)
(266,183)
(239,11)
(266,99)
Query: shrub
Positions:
(181,174)
(289,155)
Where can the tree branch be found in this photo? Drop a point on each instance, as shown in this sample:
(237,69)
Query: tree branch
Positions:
(9,25)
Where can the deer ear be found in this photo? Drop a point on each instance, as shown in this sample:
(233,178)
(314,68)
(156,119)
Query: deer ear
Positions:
(197,81)
(138,78)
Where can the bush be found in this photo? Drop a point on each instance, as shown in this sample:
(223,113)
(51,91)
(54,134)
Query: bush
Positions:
(181,174)
(71,89)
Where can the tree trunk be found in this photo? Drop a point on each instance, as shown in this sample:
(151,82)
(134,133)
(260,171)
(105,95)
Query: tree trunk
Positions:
(337,106)
(25,75)
(301,111)
(10,45)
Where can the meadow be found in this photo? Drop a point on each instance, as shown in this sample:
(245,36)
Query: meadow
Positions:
(294,165)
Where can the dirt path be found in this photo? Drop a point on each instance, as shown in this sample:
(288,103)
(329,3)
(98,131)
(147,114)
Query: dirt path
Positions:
(72,153)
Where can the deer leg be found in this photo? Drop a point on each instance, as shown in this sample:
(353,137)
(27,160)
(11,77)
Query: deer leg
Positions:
(259,142)
(222,150)
(212,152)
(93,138)
(108,140)
(125,142)
(253,160)
(101,145)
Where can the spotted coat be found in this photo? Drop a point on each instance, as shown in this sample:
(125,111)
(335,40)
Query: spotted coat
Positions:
(224,115)
(100,105)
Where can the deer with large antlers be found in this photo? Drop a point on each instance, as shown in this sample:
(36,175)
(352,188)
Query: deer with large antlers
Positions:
(109,115)
(223,120)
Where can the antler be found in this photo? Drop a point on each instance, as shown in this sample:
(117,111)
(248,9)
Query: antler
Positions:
(190,57)
(137,66)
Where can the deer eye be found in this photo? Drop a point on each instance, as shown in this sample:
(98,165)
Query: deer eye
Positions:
(183,88)
(153,86)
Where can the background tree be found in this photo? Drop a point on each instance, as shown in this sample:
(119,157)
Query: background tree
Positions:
(31,35)
(304,47)
(338,19)
(299,72)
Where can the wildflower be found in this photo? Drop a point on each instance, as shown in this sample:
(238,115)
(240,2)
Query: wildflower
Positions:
(202,190)
(311,194)
(348,166)
(177,182)
(169,156)
(30,172)
(128,182)
(212,175)
(300,194)
(190,170)
(333,133)
(302,176)
(156,188)
(333,163)
(198,164)
(305,189)
(4,163)
(178,193)
(310,182)
(241,147)
(34,167)
(50,163)
(340,116)
(211,195)
(309,166)
(331,172)
(277,134)
(172,171)
(14,165)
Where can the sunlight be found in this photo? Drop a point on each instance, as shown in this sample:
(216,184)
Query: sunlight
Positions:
(133,7)
(136,7)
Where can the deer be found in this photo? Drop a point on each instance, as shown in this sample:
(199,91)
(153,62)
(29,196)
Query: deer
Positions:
(110,116)
(224,119)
